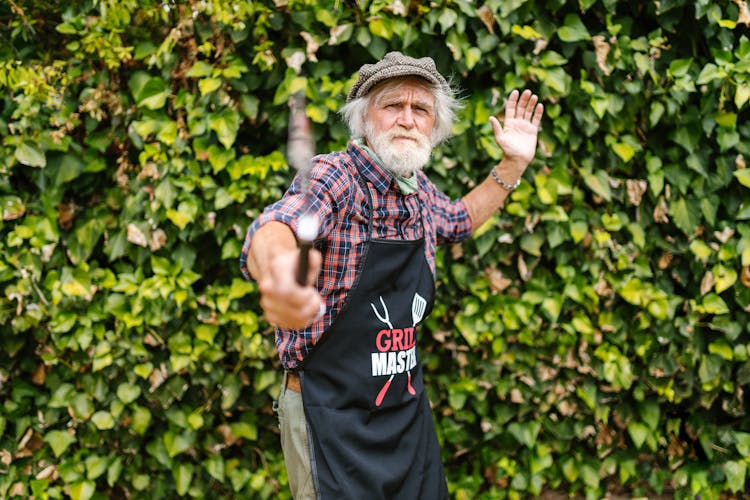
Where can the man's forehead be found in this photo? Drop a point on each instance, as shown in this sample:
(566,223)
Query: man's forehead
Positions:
(403,88)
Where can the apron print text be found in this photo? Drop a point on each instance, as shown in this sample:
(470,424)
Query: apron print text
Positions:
(396,352)
(396,347)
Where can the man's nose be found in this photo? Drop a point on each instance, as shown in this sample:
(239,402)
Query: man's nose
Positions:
(406,117)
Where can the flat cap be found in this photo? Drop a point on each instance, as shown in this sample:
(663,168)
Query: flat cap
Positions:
(393,65)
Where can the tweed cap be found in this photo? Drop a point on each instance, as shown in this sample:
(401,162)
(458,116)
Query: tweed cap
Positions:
(393,65)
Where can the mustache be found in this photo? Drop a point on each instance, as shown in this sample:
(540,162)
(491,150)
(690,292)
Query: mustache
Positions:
(409,134)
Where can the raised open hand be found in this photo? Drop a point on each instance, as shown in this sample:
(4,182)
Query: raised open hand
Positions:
(518,133)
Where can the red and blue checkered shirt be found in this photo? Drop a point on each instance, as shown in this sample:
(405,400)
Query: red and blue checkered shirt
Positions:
(338,198)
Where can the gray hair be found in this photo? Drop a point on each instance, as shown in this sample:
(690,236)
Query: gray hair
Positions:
(354,112)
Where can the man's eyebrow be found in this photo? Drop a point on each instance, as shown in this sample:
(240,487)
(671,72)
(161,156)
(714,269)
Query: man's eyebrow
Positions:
(396,98)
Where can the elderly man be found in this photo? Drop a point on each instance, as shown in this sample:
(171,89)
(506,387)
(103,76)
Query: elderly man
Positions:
(354,417)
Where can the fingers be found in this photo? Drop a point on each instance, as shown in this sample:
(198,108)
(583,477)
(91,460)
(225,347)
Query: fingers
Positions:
(524,106)
(316,260)
(536,119)
(511,105)
(528,110)
(285,303)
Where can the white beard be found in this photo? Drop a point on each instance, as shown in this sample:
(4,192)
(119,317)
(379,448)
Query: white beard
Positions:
(401,158)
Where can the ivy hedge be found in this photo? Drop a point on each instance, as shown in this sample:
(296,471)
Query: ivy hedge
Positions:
(591,338)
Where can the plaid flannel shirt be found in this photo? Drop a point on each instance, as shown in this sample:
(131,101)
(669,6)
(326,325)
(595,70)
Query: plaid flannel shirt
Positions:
(341,205)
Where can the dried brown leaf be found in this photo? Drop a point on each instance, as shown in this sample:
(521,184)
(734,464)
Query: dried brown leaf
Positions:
(17,490)
(312,46)
(158,240)
(49,472)
(660,212)
(724,235)
(457,251)
(335,32)
(157,377)
(136,236)
(636,188)
(745,276)
(567,408)
(516,396)
(487,17)
(39,375)
(744,14)
(295,61)
(601,46)
(65,215)
(498,282)
(523,269)
(396,7)
(707,283)
(665,259)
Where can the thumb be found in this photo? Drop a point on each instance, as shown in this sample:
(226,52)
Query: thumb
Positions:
(496,127)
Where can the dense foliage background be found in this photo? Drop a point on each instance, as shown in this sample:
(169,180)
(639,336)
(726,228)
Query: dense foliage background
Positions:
(591,338)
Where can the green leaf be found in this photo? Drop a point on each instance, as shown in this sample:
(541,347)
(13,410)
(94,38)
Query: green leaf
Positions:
(650,414)
(709,73)
(633,292)
(59,441)
(96,465)
(200,69)
(724,277)
(573,29)
(208,85)
(127,393)
(700,249)
(638,433)
(141,419)
(736,472)
(578,230)
(713,304)
(66,168)
(61,396)
(686,215)
(525,433)
(680,67)
(103,420)
(215,467)
(722,349)
(153,94)
(183,476)
(743,176)
(177,443)
(598,182)
(184,214)
(381,27)
(29,154)
(226,124)
(624,150)
(742,94)
(245,430)
(82,490)
(11,207)
(81,407)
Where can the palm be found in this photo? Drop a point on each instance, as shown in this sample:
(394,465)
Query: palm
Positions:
(518,134)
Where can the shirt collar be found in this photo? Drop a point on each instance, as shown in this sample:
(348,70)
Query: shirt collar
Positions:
(374,171)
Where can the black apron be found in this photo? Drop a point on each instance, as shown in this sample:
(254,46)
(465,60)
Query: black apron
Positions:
(370,424)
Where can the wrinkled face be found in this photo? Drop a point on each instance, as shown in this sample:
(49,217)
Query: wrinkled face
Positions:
(400,119)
